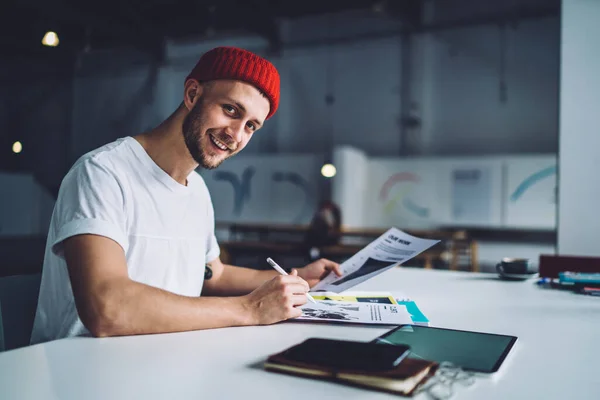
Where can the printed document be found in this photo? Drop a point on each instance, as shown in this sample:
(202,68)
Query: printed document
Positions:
(360,313)
(357,297)
(392,248)
(416,315)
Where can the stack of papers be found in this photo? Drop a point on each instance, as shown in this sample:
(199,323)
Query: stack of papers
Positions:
(373,308)
(334,303)
(360,313)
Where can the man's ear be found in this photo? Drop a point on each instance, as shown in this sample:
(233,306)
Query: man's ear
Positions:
(192,91)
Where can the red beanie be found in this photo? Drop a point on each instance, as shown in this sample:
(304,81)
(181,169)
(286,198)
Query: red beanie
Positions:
(242,65)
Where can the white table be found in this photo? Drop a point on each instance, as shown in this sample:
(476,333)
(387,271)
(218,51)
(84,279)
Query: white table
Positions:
(556,356)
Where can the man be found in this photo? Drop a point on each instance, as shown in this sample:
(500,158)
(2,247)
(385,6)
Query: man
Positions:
(133,225)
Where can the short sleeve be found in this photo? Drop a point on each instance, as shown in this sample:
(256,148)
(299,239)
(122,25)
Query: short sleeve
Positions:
(90,201)
(213,250)
(212,247)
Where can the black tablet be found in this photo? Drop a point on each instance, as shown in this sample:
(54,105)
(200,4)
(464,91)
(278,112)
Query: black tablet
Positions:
(473,351)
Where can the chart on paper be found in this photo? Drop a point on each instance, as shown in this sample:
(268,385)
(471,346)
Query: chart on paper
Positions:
(390,249)
(360,313)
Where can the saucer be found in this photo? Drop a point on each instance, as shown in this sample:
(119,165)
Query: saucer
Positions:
(518,277)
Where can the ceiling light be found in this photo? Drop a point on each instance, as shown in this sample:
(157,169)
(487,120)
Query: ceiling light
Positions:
(50,39)
(328,170)
(17,147)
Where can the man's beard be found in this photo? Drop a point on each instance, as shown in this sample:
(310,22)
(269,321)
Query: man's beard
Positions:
(192,132)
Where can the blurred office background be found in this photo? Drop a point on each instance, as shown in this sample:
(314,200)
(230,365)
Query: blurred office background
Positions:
(466,120)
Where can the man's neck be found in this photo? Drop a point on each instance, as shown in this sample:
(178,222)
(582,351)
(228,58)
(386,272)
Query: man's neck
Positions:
(166,146)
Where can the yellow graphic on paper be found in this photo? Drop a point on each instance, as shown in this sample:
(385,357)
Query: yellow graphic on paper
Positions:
(375,298)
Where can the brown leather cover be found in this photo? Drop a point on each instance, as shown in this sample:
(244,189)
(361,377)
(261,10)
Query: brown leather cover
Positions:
(551,265)
(407,369)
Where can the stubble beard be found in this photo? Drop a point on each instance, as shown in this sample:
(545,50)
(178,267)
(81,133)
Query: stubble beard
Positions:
(192,133)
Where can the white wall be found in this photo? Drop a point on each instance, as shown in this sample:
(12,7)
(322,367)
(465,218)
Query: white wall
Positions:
(279,189)
(579,159)
(364,81)
(350,184)
(467,113)
(503,192)
(531,190)
(455,84)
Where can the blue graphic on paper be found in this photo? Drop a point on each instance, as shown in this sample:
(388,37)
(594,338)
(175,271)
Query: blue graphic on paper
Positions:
(416,314)
(241,187)
(532,180)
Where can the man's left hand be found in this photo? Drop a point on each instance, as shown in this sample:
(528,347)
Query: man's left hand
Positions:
(314,272)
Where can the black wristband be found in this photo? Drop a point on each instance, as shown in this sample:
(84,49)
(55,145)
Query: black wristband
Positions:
(207,272)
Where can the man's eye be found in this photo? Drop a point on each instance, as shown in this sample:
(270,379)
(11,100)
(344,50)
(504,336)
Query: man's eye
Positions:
(251,126)
(229,109)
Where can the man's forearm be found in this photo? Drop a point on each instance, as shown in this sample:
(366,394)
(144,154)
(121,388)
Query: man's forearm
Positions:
(129,308)
(236,281)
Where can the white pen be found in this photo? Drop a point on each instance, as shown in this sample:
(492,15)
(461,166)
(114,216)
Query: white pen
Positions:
(282,272)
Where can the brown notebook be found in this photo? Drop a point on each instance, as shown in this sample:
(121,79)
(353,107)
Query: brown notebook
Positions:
(403,379)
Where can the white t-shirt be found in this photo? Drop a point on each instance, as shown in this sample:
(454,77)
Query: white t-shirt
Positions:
(165,229)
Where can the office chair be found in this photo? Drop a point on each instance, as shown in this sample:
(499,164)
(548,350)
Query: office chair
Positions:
(18,302)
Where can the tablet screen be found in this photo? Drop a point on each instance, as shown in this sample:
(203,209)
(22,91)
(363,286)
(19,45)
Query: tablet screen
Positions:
(475,351)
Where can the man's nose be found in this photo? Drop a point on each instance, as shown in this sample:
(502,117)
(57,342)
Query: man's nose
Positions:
(236,131)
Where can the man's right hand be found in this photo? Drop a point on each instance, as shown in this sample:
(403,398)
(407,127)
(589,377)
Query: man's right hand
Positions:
(277,300)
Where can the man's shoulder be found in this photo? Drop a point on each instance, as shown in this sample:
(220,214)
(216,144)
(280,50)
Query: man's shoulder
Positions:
(104,164)
(107,155)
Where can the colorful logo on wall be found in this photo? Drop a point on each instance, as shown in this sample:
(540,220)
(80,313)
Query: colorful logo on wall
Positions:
(298,181)
(242,188)
(406,181)
(531,181)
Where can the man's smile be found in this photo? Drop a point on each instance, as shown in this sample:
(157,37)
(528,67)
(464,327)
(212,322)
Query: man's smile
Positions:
(220,145)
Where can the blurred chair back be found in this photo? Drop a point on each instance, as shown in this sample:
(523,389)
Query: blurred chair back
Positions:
(18,302)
